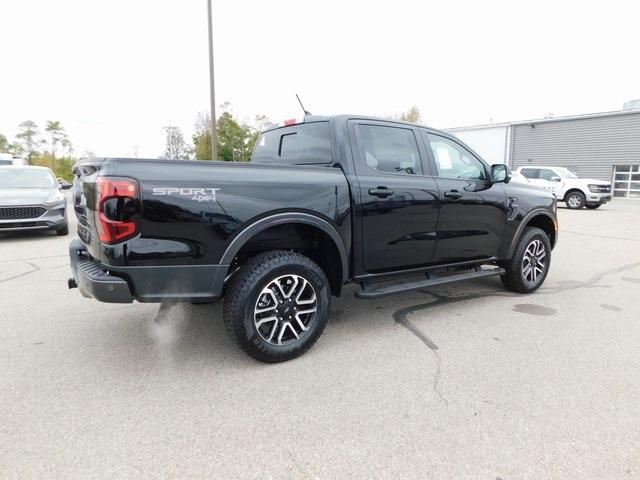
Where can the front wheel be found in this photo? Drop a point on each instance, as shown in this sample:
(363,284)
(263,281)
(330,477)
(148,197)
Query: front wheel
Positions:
(529,265)
(277,305)
(576,200)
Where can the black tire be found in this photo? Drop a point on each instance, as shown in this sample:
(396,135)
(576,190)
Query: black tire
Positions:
(514,277)
(61,232)
(575,200)
(241,301)
(593,206)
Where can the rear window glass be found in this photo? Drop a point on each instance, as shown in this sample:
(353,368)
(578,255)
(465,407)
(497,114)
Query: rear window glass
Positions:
(6,162)
(303,144)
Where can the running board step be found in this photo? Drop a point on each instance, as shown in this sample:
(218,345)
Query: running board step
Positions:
(373,290)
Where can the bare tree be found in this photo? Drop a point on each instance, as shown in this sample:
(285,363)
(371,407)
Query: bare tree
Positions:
(176,146)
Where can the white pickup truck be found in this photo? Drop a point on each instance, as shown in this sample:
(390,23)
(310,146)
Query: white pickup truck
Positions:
(567,187)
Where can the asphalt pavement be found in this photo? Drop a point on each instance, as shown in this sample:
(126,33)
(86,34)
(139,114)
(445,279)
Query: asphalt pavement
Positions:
(460,381)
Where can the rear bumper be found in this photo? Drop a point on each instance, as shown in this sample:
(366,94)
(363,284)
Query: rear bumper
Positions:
(93,280)
(123,284)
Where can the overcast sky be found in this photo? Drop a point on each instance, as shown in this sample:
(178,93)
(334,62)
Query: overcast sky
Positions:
(115,72)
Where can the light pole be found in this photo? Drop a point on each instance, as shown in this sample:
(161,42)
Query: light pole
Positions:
(214,136)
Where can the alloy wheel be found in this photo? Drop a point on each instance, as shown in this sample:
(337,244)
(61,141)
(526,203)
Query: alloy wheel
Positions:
(285,309)
(574,201)
(534,261)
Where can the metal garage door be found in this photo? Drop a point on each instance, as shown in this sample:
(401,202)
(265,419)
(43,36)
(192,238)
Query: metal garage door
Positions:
(588,146)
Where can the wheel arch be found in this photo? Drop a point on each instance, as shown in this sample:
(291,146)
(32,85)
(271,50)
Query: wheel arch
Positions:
(572,190)
(294,219)
(540,218)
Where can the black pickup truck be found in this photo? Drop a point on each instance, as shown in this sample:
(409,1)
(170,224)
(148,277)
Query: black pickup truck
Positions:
(324,202)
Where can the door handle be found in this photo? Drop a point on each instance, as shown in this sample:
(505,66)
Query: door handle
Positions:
(453,194)
(382,192)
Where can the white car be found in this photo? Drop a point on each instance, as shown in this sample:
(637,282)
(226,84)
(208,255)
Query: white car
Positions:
(567,187)
(8,160)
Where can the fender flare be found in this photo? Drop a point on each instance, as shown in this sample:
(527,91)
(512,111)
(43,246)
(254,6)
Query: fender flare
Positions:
(281,218)
(523,224)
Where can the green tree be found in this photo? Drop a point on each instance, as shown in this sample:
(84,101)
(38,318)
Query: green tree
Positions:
(233,139)
(4,144)
(236,140)
(29,138)
(202,145)
(16,150)
(62,167)
(202,137)
(57,137)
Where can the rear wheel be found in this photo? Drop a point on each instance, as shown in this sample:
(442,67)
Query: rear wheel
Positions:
(593,206)
(63,231)
(529,265)
(575,200)
(277,305)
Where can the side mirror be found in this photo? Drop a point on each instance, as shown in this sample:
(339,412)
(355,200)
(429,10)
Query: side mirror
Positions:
(500,173)
(64,185)
(555,178)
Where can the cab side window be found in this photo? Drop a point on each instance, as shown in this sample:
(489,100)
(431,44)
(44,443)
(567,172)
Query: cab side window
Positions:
(546,174)
(455,161)
(530,172)
(390,149)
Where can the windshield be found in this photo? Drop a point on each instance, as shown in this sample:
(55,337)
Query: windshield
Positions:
(26,178)
(566,173)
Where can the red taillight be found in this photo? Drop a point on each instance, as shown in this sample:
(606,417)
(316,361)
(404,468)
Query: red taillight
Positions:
(291,121)
(117,209)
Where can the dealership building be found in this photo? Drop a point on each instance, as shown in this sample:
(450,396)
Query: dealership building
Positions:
(605,146)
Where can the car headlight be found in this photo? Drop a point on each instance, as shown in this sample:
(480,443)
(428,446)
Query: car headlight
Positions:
(55,197)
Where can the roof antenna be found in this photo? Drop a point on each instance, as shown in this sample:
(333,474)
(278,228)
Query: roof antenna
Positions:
(303,109)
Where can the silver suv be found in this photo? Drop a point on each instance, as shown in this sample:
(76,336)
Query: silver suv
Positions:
(30,199)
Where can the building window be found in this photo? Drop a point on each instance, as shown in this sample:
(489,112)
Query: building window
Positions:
(626,181)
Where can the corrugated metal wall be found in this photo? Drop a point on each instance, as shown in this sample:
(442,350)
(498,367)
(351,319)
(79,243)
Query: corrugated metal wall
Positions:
(588,146)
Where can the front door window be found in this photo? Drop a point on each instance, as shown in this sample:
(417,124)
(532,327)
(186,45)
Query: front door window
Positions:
(455,161)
